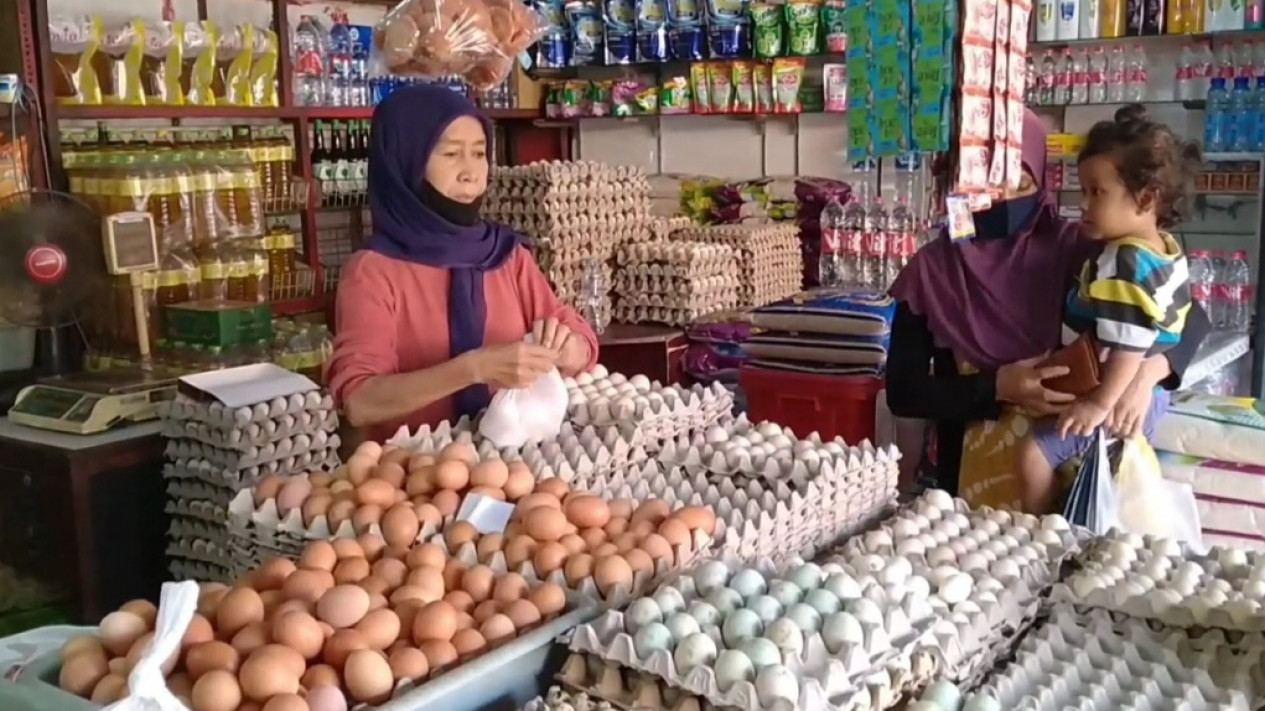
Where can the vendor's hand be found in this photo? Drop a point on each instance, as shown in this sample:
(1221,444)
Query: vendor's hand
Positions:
(1082,417)
(1020,384)
(572,350)
(513,365)
(1129,415)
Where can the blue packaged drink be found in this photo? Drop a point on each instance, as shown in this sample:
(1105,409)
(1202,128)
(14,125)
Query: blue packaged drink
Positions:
(620,17)
(685,30)
(554,48)
(652,30)
(728,32)
(588,42)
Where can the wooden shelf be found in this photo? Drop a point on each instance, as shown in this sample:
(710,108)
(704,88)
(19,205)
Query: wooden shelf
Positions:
(112,112)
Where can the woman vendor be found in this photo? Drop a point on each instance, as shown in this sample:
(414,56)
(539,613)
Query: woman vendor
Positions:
(973,321)
(433,313)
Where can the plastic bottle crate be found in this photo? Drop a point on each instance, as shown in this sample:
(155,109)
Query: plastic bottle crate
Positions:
(831,405)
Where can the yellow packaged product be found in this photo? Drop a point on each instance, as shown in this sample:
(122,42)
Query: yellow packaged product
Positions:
(161,64)
(118,64)
(263,68)
(197,66)
(74,43)
(233,54)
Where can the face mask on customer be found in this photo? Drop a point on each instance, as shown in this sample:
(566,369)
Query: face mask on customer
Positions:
(1007,219)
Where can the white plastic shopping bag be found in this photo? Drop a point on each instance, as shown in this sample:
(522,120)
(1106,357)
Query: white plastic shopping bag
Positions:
(1093,502)
(1149,503)
(531,414)
(146,684)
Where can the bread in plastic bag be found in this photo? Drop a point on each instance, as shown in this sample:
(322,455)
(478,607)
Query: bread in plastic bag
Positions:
(477,39)
(532,414)
(147,684)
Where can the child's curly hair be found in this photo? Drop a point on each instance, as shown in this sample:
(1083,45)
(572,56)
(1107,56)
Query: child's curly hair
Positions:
(1149,157)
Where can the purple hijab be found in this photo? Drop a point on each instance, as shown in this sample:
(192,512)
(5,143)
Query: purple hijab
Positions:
(998,298)
(406,127)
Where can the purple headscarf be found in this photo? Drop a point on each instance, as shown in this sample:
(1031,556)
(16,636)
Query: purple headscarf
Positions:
(998,298)
(406,127)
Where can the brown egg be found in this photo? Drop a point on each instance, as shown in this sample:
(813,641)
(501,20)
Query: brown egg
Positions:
(592,537)
(199,631)
(553,486)
(395,455)
(249,638)
(390,472)
(307,585)
(658,548)
(536,500)
(453,571)
(81,673)
(377,601)
(400,525)
(430,580)
(216,690)
(271,599)
(439,653)
(523,614)
(493,473)
(452,475)
(489,545)
(318,555)
(545,524)
(347,548)
(627,541)
(468,643)
(320,675)
(435,621)
(118,665)
(611,572)
(653,510)
(478,581)
(180,685)
(343,606)
(428,554)
(320,480)
(519,481)
(380,628)
(698,518)
(641,529)
(587,511)
(210,656)
(270,671)
(365,517)
(578,568)
(358,468)
(459,451)
(143,609)
(640,561)
(343,489)
(372,544)
(267,488)
(420,481)
(408,663)
(549,556)
(621,508)
(406,610)
(391,571)
(446,502)
(290,606)
(675,532)
(316,506)
(240,607)
(573,543)
(497,629)
(111,688)
(487,491)
(615,527)
(604,550)
(351,570)
(421,460)
(513,530)
(376,586)
(340,512)
(459,534)
(341,644)
(429,517)
(299,631)
(286,702)
(464,620)
(461,600)
(519,550)
(509,587)
(482,611)
(549,598)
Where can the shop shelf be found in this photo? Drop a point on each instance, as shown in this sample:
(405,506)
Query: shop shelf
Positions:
(105,112)
(1146,39)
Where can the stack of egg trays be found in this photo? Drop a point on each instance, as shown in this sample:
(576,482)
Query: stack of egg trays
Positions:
(1088,660)
(682,412)
(213,452)
(1161,579)
(603,654)
(970,635)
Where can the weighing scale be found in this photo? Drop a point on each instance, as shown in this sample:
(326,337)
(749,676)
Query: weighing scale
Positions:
(89,403)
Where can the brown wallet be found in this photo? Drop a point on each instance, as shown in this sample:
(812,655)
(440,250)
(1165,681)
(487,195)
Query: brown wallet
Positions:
(1081,360)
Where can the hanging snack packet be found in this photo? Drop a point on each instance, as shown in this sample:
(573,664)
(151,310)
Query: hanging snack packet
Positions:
(674,96)
(744,88)
(599,101)
(652,30)
(571,98)
(685,30)
(700,86)
(233,53)
(834,25)
(768,30)
(834,79)
(722,89)
(788,76)
(197,75)
(803,21)
(647,100)
(592,40)
(762,79)
(160,67)
(74,43)
(119,75)
(553,99)
(554,49)
(728,31)
(263,68)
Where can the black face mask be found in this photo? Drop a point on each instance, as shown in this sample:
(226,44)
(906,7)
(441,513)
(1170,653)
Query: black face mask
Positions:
(1007,219)
(462,214)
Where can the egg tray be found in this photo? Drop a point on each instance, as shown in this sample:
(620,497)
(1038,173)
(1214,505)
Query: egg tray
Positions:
(675,318)
(641,408)
(629,280)
(879,640)
(1086,662)
(223,418)
(199,555)
(676,260)
(255,434)
(216,475)
(699,298)
(296,446)
(1161,579)
(201,571)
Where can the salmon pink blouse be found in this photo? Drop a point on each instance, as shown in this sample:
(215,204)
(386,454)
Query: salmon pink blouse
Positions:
(391,318)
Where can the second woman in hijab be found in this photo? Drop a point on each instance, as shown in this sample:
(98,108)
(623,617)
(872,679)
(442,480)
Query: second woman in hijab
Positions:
(434,312)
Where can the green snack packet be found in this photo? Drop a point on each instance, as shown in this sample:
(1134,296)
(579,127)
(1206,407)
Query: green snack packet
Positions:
(674,96)
(768,32)
(803,21)
(701,87)
(835,25)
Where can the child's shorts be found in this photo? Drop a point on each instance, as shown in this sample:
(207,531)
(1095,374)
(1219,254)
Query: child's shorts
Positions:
(1058,450)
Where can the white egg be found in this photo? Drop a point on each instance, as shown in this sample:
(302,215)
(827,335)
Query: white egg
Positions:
(786,634)
(955,589)
(583,379)
(695,650)
(640,613)
(777,683)
(740,625)
(911,547)
(681,626)
(651,638)
(762,652)
(733,667)
(841,629)
(670,600)
(843,586)
(640,382)
(941,555)
(908,528)
(940,499)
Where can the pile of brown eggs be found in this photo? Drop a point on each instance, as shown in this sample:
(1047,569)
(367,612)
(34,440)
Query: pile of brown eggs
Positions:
(348,623)
(402,494)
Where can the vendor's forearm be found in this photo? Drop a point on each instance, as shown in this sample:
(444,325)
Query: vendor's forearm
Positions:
(386,398)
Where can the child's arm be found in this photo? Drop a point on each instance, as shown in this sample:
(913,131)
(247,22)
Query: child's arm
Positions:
(1118,372)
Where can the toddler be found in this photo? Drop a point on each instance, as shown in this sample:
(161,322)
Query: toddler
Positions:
(1136,178)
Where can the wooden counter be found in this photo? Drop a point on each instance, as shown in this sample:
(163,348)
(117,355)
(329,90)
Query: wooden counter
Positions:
(84,514)
(652,351)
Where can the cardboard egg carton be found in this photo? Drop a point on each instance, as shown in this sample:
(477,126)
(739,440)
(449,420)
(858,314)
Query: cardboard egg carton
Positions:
(201,560)
(669,315)
(1161,579)
(596,684)
(676,260)
(647,411)
(217,416)
(665,228)
(1070,662)
(860,672)
(302,446)
(237,477)
(642,290)
(254,434)
(768,257)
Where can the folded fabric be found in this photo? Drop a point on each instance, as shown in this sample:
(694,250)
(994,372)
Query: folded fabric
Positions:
(829,311)
(710,361)
(1213,427)
(818,348)
(729,332)
(795,366)
(1230,497)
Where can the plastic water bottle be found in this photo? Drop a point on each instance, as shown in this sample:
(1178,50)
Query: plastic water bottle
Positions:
(1220,296)
(1045,79)
(832,264)
(1097,77)
(1135,78)
(1258,132)
(1238,288)
(1186,81)
(309,62)
(854,233)
(1116,74)
(1243,112)
(1201,279)
(339,71)
(1080,77)
(1216,117)
(902,223)
(875,245)
(1063,79)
